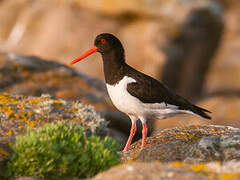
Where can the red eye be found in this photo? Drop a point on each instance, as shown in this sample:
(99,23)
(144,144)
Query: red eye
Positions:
(103,41)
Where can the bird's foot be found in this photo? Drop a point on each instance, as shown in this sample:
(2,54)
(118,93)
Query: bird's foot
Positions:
(125,150)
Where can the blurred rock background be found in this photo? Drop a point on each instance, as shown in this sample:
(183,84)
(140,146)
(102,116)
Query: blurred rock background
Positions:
(191,45)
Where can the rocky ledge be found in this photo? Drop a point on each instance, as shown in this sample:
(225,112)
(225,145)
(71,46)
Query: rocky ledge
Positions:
(172,171)
(193,152)
(193,144)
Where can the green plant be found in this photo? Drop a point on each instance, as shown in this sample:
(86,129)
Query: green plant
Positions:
(61,150)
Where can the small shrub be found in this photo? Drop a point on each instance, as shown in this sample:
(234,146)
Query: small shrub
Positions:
(61,150)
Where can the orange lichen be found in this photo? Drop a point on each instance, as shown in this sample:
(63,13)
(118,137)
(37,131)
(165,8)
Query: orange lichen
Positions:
(9,133)
(229,175)
(198,167)
(5,98)
(3,152)
(178,164)
(31,124)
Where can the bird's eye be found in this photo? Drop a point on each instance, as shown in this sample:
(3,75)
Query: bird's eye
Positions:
(103,41)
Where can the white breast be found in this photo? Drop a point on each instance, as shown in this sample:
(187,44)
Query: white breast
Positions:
(124,101)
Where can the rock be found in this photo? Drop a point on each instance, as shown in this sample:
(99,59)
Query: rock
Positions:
(19,75)
(191,144)
(220,148)
(34,28)
(19,112)
(27,178)
(172,171)
(193,152)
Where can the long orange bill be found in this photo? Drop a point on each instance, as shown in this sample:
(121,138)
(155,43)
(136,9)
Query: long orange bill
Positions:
(87,53)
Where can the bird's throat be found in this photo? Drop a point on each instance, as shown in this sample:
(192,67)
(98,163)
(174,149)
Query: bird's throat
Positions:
(113,63)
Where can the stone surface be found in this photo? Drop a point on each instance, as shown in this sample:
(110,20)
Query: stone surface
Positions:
(36,76)
(172,171)
(27,178)
(192,144)
(18,112)
(193,152)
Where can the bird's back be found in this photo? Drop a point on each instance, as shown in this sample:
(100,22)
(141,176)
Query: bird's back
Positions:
(149,91)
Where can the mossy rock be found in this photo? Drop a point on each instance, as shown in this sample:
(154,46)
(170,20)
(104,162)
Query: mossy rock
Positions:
(18,112)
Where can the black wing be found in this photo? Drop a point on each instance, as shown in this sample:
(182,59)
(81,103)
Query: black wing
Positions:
(149,90)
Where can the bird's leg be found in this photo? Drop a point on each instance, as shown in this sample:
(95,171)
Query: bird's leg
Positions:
(132,133)
(144,134)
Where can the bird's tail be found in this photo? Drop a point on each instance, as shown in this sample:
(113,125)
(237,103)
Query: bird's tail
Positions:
(200,111)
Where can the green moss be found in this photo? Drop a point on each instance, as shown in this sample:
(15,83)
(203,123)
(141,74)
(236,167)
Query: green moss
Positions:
(61,150)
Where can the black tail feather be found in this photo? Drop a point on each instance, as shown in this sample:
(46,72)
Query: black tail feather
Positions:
(201,112)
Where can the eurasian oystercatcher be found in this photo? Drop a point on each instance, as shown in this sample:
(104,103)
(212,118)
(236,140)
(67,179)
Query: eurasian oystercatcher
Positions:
(134,93)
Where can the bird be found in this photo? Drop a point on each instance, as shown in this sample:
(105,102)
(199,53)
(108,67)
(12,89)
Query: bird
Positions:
(134,93)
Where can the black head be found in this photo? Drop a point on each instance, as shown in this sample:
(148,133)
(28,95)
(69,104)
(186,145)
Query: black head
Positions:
(108,45)
(107,42)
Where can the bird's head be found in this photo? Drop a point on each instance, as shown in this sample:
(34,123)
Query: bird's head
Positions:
(104,43)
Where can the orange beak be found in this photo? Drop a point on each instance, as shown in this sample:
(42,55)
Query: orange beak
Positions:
(87,53)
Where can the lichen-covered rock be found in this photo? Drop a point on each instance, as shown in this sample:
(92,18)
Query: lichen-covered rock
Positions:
(172,171)
(17,112)
(191,144)
(36,76)
(220,148)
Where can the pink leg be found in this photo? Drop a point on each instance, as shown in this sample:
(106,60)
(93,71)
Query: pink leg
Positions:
(132,133)
(144,134)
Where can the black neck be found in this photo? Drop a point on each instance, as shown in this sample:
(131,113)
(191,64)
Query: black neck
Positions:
(113,63)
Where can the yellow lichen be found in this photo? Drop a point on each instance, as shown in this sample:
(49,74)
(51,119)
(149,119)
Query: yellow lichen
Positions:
(5,98)
(229,175)
(3,152)
(31,124)
(9,133)
(198,167)
(178,164)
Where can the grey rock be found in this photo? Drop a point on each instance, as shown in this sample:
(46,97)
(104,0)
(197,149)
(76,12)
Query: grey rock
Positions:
(192,144)
(171,171)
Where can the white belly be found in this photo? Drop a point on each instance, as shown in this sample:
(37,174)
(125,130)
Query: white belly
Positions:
(130,105)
